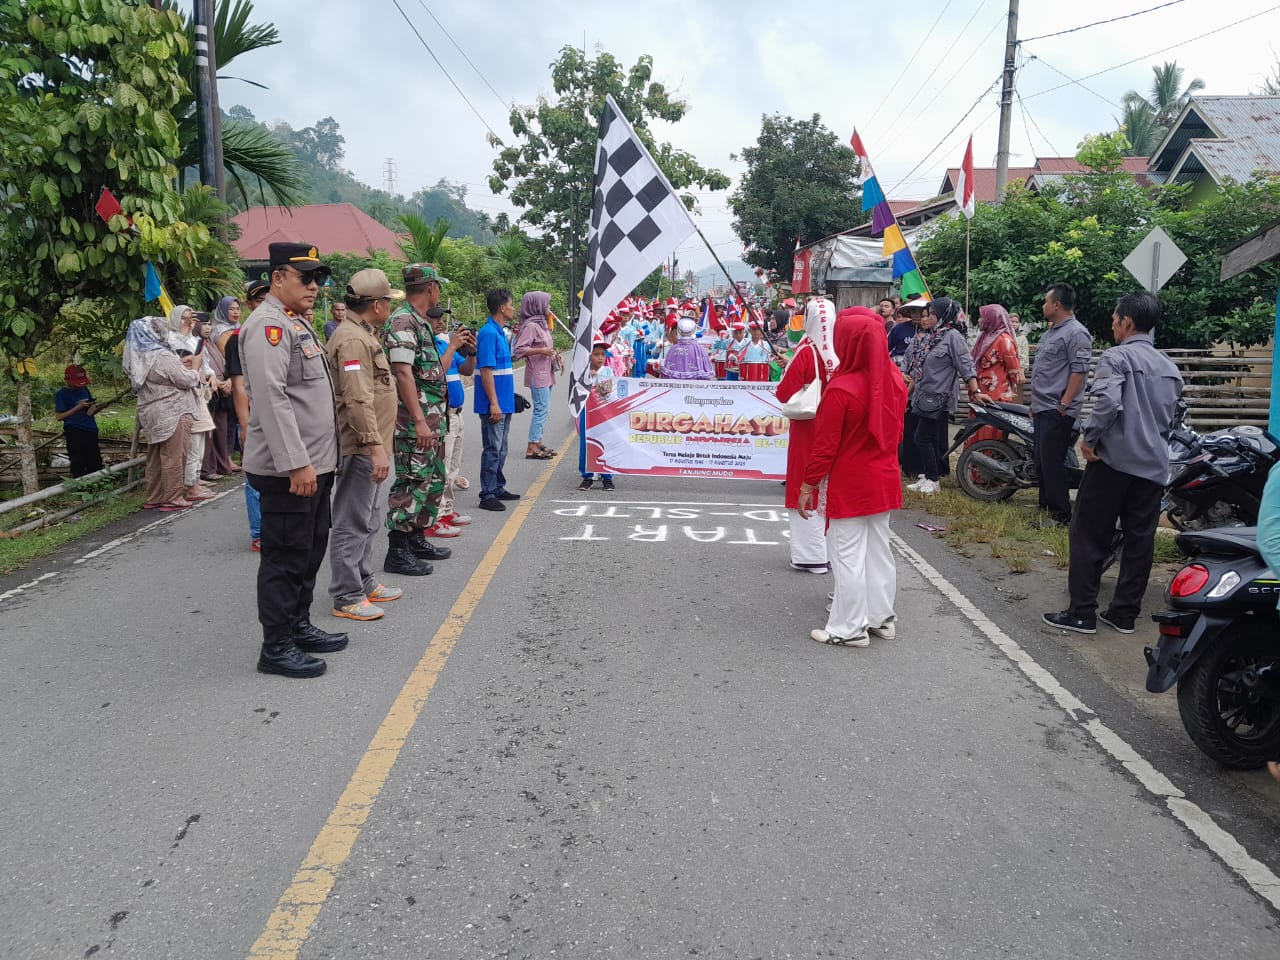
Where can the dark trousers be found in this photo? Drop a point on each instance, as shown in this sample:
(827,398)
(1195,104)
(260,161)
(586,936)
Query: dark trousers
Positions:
(1055,432)
(82,450)
(295,533)
(1105,496)
(493,456)
(930,439)
(909,457)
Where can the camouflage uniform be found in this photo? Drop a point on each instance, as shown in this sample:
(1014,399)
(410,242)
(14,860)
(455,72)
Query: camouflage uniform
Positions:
(414,501)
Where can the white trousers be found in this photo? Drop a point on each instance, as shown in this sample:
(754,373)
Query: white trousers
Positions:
(808,538)
(452,461)
(866,579)
(195,459)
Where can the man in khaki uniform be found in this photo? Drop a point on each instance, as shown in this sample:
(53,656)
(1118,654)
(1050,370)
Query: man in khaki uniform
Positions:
(366,407)
(290,454)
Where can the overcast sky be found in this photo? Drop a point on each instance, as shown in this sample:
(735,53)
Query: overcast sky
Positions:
(359,62)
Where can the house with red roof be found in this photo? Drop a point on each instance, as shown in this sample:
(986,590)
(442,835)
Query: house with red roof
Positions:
(330,227)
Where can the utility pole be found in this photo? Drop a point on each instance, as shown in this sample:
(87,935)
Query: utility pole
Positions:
(210,119)
(1006,101)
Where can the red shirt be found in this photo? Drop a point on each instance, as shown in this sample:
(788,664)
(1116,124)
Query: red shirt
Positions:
(863,480)
(798,375)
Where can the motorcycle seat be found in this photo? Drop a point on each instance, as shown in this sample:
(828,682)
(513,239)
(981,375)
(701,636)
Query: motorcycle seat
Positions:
(1222,541)
(1020,408)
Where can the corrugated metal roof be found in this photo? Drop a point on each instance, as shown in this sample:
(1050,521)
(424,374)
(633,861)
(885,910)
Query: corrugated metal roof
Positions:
(1229,137)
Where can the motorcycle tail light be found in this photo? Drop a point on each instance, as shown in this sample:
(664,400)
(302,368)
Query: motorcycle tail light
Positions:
(1189,581)
(1171,630)
(1226,583)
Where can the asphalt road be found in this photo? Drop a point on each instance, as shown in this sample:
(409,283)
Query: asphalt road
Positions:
(599,730)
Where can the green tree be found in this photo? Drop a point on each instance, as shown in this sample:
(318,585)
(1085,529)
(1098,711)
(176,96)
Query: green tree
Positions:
(86,91)
(321,144)
(1146,119)
(549,170)
(1140,128)
(800,182)
(423,243)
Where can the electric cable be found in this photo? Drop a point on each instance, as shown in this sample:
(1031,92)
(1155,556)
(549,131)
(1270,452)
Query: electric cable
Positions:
(506,104)
(1087,89)
(1099,23)
(943,138)
(907,65)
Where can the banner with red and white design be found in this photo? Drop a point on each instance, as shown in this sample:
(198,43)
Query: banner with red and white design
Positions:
(683,428)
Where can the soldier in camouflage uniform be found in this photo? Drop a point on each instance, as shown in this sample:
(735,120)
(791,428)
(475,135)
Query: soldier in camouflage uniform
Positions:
(421,422)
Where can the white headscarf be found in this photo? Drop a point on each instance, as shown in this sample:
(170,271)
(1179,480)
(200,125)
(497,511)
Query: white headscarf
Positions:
(143,343)
(819,327)
(687,327)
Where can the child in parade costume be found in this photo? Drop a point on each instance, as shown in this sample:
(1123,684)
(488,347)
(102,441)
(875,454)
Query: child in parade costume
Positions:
(758,350)
(599,377)
(736,348)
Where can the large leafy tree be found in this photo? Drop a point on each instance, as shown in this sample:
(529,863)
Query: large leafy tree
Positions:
(86,94)
(548,172)
(800,182)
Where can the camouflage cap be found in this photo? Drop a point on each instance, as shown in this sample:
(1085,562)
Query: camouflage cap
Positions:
(418,274)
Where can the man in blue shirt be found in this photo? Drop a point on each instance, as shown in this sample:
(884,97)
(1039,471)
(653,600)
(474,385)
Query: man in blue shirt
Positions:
(495,398)
(458,362)
(75,407)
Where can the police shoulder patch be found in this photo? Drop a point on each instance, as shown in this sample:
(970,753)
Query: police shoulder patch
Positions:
(273,335)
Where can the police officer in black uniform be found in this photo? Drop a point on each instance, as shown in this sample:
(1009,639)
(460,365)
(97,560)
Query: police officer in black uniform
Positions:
(290,455)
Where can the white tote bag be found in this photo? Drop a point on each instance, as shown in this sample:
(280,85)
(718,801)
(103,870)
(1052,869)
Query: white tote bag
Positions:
(803,404)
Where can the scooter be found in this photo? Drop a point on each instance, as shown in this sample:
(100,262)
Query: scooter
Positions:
(1220,482)
(991,469)
(1220,643)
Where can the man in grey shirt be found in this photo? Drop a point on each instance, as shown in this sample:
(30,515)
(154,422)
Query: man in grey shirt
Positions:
(1057,396)
(1126,444)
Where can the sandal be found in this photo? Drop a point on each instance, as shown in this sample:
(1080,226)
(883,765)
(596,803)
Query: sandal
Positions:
(539,455)
(546,450)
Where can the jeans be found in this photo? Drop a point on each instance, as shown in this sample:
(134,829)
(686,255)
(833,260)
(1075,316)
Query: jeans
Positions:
(254,509)
(494,456)
(541,407)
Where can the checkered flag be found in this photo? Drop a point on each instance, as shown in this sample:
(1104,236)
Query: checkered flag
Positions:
(636,222)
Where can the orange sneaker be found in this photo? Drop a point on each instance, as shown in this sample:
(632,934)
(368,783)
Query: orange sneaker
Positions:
(384,594)
(360,610)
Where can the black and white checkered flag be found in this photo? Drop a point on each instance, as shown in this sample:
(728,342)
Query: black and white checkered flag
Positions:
(636,221)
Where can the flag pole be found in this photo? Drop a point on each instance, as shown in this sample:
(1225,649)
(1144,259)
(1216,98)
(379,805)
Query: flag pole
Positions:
(966,266)
(733,290)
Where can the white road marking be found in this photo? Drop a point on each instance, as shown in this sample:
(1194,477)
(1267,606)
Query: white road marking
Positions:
(666,503)
(9,594)
(1221,843)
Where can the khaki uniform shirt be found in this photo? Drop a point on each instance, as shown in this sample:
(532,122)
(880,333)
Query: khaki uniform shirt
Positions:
(291,418)
(363,388)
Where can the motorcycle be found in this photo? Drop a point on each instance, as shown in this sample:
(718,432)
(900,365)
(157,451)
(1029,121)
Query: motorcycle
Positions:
(991,469)
(1219,483)
(1220,643)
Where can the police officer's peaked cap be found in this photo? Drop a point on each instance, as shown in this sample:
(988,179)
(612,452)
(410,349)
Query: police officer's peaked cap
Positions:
(417,274)
(301,256)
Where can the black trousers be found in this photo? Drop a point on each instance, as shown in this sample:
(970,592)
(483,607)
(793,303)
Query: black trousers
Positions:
(295,533)
(1105,496)
(82,450)
(909,455)
(1055,432)
(929,436)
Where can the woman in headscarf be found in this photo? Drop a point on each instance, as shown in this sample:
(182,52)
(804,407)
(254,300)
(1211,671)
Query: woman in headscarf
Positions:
(165,385)
(185,339)
(217,460)
(541,360)
(996,354)
(815,357)
(852,477)
(936,357)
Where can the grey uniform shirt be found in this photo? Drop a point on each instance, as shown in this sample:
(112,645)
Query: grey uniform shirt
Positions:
(286,374)
(1135,397)
(1064,349)
(949,357)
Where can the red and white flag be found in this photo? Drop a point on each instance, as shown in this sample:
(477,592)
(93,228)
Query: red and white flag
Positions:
(964,185)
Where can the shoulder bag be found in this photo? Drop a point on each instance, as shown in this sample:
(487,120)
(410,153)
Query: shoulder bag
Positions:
(803,404)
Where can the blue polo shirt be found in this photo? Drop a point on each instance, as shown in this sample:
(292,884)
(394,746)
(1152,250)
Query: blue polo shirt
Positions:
(493,351)
(453,375)
(68,397)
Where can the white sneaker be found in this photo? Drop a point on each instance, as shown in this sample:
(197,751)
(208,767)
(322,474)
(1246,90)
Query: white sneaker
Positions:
(920,481)
(857,640)
(886,630)
(930,487)
(809,567)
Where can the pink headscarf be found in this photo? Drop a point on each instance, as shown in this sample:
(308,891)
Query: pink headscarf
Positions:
(993,321)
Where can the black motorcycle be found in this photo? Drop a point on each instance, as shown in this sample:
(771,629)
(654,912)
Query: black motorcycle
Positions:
(1220,643)
(1219,483)
(995,469)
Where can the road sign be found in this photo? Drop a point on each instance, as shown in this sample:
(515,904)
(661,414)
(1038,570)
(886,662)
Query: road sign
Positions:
(1155,260)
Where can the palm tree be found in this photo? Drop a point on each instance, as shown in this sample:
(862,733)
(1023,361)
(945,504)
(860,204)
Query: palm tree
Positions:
(1139,126)
(509,255)
(423,243)
(249,150)
(1146,120)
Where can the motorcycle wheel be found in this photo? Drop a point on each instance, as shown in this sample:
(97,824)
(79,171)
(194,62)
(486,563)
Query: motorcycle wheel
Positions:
(1231,720)
(974,483)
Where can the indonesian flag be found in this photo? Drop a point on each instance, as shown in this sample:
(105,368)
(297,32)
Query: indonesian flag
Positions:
(964,185)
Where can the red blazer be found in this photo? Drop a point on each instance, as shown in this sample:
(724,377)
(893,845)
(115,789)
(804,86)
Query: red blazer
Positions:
(798,375)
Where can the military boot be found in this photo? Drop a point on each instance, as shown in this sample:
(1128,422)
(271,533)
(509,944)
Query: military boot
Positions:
(306,636)
(401,559)
(424,549)
(280,655)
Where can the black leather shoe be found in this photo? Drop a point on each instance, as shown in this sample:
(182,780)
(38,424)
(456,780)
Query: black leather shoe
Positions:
(400,559)
(493,503)
(424,549)
(508,495)
(283,658)
(307,636)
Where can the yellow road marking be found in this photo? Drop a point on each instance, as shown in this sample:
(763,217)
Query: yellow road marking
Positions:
(296,911)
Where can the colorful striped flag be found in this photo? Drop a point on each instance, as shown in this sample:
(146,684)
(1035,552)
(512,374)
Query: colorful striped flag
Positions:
(905,269)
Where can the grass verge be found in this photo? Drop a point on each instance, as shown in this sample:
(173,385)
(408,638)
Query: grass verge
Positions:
(17,552)
(1009,530)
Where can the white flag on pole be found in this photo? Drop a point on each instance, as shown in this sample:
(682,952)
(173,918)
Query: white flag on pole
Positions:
(636,222)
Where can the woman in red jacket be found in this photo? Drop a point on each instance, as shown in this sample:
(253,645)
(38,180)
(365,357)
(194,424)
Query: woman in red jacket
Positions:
(815,356)
(852,477)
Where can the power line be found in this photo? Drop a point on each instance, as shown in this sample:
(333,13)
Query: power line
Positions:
(1026,115)
(1145,56)
(505,104)
(1099,23)
(907,65)
(1074,81)
(443,70)
(943,138)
